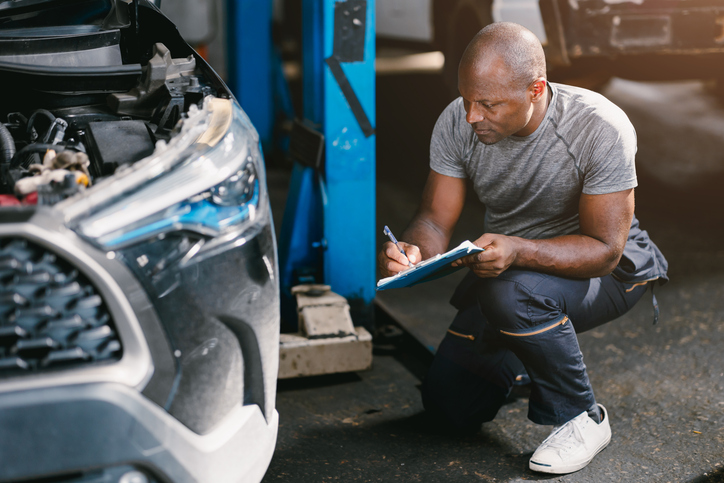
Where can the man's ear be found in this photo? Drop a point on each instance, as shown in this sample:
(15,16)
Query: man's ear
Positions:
(538,89)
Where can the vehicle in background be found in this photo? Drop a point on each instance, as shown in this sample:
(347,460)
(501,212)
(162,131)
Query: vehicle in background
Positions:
(594,39)
(139,287)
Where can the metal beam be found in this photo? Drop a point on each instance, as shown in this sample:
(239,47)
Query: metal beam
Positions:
(250,69)
(349,223)
(339,101)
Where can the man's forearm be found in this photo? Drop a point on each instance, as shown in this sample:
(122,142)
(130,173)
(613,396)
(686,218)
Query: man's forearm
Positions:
(428,237)
(577,256)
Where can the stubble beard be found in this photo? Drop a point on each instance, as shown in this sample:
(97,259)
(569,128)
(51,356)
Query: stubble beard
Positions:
(487,140)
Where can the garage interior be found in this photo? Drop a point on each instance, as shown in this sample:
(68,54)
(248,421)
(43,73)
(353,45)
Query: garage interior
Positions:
(351,409)
(663,383)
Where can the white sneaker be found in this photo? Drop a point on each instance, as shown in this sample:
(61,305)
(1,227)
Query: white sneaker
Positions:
(572,446)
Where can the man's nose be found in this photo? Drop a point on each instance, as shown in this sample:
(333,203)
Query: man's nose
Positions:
(475,114)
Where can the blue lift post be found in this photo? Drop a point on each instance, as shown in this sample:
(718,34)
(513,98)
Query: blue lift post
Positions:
(339,101)
(302,240)
(349,222)
(250,68)
(329,220)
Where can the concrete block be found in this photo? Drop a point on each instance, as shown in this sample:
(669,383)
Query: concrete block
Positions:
(300,356)
(326,321)
(322,313)
(316,294)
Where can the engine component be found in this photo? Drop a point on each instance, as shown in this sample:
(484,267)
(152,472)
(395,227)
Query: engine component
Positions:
(7,145)
(59,126)
(25,186)
(103,140)
(59,177)
(9,200)
(23,158)
(53,192)
(162,68)
(69,160)
(7,151)
(30,126)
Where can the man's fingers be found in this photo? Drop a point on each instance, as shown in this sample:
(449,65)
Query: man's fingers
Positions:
(468,260)
(486,240)
(476,258)
(394,253)
(413,252)
(498,255)
(488,266)
(491,268)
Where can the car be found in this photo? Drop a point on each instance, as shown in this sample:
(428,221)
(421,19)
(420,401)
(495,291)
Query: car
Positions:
(139,286)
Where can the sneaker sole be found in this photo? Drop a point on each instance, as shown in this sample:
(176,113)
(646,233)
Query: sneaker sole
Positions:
(561,470)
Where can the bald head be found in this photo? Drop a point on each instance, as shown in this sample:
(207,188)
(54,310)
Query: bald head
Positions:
(512,45)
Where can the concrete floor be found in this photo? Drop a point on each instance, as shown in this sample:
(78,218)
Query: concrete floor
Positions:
(662,385)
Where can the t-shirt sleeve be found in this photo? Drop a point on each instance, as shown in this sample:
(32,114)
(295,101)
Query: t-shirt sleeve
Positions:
(446,144)
(609,162)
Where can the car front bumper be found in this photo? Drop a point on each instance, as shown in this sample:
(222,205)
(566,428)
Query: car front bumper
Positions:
(72,429)
(192,396)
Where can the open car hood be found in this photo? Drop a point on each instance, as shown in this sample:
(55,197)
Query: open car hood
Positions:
(81,35)
(33,18)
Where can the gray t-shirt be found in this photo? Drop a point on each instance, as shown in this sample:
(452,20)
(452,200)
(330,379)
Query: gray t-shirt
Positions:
(531,185)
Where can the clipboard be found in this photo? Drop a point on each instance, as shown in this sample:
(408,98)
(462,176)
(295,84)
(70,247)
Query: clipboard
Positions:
(430,269)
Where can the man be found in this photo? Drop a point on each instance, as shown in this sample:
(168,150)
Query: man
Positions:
(554,166)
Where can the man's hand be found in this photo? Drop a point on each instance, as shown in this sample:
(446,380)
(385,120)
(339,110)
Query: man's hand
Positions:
(391,261)
(500,253)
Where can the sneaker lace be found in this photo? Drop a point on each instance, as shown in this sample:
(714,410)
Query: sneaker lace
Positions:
(565,437)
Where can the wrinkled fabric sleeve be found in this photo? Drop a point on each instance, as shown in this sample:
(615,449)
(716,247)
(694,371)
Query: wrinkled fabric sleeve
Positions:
(608,164)
(447,144)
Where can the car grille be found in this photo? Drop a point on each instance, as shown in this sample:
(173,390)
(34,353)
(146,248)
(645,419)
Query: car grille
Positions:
(50,314)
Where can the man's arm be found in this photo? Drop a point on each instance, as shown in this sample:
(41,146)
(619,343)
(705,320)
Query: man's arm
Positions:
(430,230)
(604,221)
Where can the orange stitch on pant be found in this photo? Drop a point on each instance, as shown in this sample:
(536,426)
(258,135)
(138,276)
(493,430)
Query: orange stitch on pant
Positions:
(635,285)
(464,336)
(560,322)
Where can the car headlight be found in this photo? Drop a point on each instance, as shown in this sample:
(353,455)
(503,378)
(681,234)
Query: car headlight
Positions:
(208,180)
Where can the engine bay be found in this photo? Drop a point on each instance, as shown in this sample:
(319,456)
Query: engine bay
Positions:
(51,151)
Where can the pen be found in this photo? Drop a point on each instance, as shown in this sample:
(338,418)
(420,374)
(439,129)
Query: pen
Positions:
(394,240)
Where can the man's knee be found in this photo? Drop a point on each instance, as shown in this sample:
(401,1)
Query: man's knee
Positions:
(517,300)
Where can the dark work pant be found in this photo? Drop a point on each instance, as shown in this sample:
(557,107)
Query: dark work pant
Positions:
(522,319)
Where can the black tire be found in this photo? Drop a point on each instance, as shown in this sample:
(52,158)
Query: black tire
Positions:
(455,30)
